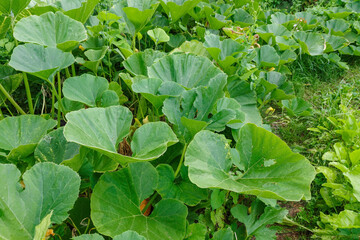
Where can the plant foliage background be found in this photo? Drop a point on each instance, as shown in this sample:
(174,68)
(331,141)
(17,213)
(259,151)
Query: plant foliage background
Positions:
(149,119)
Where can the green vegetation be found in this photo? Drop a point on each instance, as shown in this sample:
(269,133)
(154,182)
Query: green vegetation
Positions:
(179,119)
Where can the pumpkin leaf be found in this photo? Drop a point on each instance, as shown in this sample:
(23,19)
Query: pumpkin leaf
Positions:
(50,190)
(264,157)
(128,188)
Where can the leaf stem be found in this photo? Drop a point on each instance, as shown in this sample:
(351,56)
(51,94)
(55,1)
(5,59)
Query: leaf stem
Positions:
(8,96)
(73,70)
(28,93)
(181,160)
(152,199)
(53,105)
(59,90)
(67,72)
(1,115)
(134,42)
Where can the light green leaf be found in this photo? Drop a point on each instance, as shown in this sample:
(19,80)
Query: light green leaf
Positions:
(334,43)
(194,47)
(128,188)
(225,52)
(181,188)
(311,20)
(345,219)
(140,12)
(242,17)
(156,91)
(94,236)
(196,231)
(138,63)
(74,89)
(354,177)
(286,43)
(108,128)
(241,91)
(41,229)
(267,32)
(231,104)
(260,217)
(297,107)
(129,235)
(184,69)
(51,30)
(54,147)
(109,98)
(49,188)
(311,43)
(83,12)
(151,140)
(175,9)
(20,135)
(190,112)
(95,57)
(48,60)
(224,234)
(338,12)
(281,18)
(337,26)
(267,56)
(158,35)
(271,169)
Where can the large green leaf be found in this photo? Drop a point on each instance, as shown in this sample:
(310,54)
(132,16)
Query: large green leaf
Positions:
(140,12)
(243,17)
(48,60)
(338,12)
(194,47)
(185,70)
(138,63)
(158,35)
(74,89)
(115,205)
(179,188)
(51,30)
(337,26)
(260,217)
(225,52)
(20,135)
(310,20)
(265,165)
(345,219)
(49,188)
(267,56)
(268,32)
(175,9)
(95,57)
(311,43)
(82,13)
(241,91)
(281,18)
(53,147)
(286,43)
(128,235)
(156,91)
(190,112)
(13,6)
(334,43)
(102,129)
